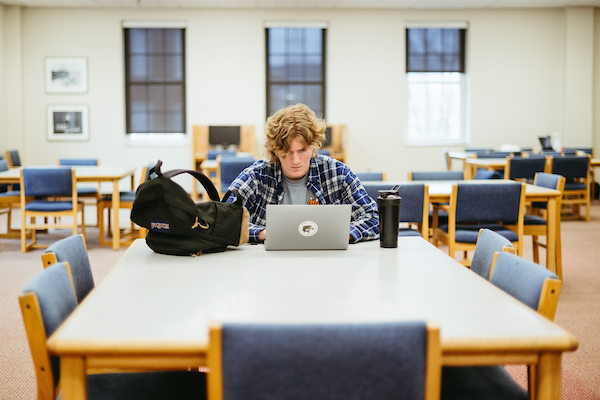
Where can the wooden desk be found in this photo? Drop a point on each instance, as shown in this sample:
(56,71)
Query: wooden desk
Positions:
(458,155)
(91,174)
(153,311)
(439,192)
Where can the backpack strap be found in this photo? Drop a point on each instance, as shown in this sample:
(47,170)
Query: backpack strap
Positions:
(212,192)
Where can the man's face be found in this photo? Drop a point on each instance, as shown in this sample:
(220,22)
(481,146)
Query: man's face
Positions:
(296,161)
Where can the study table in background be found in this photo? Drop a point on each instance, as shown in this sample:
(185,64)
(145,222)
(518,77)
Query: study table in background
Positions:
(439,192)
(153,311)
(90,174)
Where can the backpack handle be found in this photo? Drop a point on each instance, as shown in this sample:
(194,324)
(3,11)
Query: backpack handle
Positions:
(212,192)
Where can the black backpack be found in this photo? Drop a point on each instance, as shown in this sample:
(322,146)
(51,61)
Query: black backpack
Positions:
(178,226)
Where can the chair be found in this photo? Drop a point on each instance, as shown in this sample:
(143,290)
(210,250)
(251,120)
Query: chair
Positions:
(524,168)
(481,205)
(45,184)
(414,208)
(47,300)
(9,198)
(13,159)
(487,174)
(534,286)
(329,361)
(371,176)
(495,154)
(325,152)
(125,202)
(436,176)
(72,250)
(535,225)
(84,191)
(488,243)
(211,154)
(229,169)
(576,170)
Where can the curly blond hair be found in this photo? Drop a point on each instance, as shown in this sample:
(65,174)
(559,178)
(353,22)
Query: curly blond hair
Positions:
(293,122)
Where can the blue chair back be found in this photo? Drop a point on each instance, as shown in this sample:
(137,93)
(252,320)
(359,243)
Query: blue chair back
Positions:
(57,301)
(72,250)
(370,176)
(3,167)
(479,149)
(46,182)
(496,154)
(298,362)
(521,278)
(525,167)
(487,244)
(78,161)
(212,154)
(324,152)
(547,180)
(437,176)
(485,174)
(481,202)
(231,168)
(571,167)
(15,160)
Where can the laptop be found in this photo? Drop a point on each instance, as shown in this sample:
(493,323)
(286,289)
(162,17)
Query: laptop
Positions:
(308,227)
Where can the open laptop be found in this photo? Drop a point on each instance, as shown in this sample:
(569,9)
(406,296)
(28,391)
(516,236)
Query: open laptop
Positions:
(308,227)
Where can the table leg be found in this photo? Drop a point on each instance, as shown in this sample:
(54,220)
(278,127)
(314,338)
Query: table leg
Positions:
(548,377)
(72,378)
(115,206)
(552,223)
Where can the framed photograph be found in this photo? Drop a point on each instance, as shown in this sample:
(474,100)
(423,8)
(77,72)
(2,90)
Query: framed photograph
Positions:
(66,75)
(68,123)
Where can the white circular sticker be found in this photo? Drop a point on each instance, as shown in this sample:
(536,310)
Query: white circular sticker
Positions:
(308,228)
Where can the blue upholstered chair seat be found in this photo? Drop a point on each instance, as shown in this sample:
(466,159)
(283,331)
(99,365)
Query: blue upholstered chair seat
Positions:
(41,205)
(147,386)
(123,196)
(469,233)
(82,191)
(534,220)
(575,186)
(476,383)
(408,232)
(11,193)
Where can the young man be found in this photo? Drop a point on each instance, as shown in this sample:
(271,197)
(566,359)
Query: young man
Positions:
(293,173)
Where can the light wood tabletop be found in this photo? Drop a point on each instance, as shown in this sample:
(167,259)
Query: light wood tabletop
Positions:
(153,311)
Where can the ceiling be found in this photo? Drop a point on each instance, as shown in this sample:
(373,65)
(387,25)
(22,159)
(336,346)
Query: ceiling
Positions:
(306,4)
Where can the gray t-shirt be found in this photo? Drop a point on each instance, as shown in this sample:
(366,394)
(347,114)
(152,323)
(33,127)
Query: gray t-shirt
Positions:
(296,192)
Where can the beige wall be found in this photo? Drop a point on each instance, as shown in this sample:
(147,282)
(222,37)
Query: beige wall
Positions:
(523,82)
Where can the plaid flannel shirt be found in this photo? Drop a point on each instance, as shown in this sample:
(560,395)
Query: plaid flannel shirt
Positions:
(330,180)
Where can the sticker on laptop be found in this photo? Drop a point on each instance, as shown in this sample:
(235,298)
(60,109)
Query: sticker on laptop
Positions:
(308,228)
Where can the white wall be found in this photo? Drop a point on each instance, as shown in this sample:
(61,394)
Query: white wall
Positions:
(516,63)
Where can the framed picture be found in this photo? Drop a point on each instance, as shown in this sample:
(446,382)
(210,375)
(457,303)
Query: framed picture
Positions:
(68,123)
(66,75)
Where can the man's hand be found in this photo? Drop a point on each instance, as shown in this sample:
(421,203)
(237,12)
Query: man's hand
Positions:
(262,235)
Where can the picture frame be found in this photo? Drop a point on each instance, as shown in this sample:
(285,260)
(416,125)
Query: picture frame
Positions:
(66,75)
(68,123)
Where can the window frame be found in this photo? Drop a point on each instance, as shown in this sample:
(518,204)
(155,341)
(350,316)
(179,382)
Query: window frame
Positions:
(155,138)
(322,83)
(464,134)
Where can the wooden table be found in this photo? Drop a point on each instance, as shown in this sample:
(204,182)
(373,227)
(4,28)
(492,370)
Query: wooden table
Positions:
(491,164)
(439,192)
(90,174)
(153,311)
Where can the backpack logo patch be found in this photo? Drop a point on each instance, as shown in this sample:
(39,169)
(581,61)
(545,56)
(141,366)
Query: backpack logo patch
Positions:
(160,226)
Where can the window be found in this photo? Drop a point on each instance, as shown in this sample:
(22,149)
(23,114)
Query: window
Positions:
(295,68)
(155,80)
(436,86)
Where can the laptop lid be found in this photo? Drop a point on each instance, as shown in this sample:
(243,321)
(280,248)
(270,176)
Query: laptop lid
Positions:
(308,227)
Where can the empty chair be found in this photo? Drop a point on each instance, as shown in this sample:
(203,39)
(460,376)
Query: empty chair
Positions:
(487,174)
(47,300)
(325,152)
(535,287)
(125,202)
(212,154)
(83,190)
(576,170)
(414,209)
(496,154)
(9,197)
(436,176)
(488,243)
(229,169)
(481,205)
(524,168)
(371,176)
(329,361)
(79,161)
(72,250)
(47,184)
(479,149)
(13,159)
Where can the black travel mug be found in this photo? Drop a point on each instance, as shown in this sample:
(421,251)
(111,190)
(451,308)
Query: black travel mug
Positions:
(389,216)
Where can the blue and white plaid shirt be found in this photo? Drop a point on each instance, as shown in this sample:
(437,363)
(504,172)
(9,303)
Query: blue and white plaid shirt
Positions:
(330,180)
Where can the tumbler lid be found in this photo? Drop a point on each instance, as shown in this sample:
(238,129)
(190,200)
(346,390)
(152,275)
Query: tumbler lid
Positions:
(389,192)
